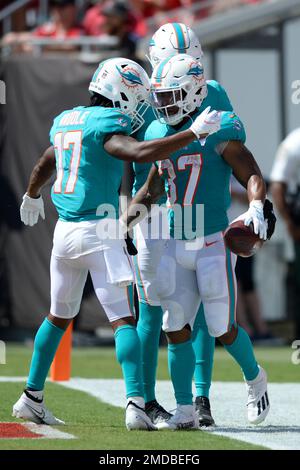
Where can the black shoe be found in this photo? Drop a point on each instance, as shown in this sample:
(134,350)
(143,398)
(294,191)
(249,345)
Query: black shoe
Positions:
(203,410)
(156,412)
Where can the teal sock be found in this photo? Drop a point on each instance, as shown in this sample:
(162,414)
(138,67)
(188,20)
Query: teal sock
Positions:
(46,343)
(204,348)
(242,351)
(128,352)
(149,328)
(181,360)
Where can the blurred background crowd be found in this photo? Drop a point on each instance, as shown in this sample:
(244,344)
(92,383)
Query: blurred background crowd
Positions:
(49,50)
(128,21)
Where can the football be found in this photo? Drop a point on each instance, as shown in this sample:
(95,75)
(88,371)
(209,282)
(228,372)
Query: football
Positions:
(241,239)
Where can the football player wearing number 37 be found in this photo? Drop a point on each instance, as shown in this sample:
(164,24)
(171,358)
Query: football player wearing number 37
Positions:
(89,145)
(201,270)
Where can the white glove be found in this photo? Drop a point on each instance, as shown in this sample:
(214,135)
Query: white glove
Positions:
(255,214)
(208,122)
(31,209)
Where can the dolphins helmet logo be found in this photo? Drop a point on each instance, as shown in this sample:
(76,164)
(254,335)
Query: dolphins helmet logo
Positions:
(130,77)
(196,71)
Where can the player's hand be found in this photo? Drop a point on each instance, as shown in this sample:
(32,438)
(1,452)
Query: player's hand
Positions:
(255,215)
(31,209)
(208,122)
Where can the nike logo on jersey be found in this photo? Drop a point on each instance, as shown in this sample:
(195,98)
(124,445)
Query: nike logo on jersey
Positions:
(207,244)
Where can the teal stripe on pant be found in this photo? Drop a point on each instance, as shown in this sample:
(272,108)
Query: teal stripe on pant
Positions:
(232,290)
(139,283)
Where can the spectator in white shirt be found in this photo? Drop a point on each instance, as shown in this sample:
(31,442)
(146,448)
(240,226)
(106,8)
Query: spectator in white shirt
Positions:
(285,178)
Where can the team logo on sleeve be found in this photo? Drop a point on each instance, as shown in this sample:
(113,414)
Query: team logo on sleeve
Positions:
(122,122)
(130,77)
(237,124)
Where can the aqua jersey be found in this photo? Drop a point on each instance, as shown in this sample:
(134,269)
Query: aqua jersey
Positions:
(199,175)
(216,98)
(87,176)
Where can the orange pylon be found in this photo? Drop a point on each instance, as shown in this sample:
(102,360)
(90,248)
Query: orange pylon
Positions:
(61,365)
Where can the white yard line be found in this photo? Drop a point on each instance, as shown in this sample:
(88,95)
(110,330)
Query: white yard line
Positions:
(48,432)
(281,429)
(13,379)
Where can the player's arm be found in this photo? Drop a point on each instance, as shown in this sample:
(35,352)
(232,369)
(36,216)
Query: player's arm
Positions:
(149,194)
(283,171)
(279,190)
(32,206)
(247,172)
(245,169)
(127,148)
(41,173)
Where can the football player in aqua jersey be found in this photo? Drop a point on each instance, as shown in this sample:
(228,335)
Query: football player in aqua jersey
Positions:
(169,39)
(198,177)
(88,144)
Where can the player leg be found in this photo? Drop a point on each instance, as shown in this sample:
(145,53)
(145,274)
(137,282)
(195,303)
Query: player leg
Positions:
(67,282)
(115,302)
(180,301)
(150,314)
(217,285)
(204,348)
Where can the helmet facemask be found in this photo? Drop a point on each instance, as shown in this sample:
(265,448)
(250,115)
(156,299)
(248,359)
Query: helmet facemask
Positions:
(171,105)
(135,110)
(137,115)
(178,87)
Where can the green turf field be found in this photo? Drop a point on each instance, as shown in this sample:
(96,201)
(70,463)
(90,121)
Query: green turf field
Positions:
(98,425)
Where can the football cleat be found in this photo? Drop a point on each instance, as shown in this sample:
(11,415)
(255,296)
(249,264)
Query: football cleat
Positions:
(203,411)
(156,412)
(185,418)
(136,418)
(30,408)
(258,405)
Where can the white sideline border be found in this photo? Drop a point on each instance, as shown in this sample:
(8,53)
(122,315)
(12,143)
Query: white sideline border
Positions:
(280,431)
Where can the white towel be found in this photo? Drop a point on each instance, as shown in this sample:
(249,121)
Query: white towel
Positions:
(118,264)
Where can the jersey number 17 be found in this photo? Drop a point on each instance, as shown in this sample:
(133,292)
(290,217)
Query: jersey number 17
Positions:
(62,143)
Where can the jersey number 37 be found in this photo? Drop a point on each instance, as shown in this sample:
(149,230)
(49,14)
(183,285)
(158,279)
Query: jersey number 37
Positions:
(194,161)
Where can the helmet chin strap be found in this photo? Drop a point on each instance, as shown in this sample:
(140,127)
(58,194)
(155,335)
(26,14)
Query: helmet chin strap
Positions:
(147,57)
(190,117)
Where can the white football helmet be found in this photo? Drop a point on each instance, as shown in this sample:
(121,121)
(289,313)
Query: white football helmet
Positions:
(171,39)
(126,84)
(178,87)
